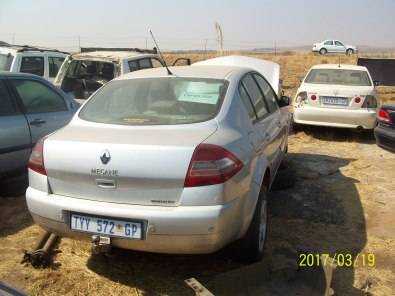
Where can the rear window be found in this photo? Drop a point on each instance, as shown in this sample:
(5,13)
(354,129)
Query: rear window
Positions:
(338,76)
(156,101)
(6,61)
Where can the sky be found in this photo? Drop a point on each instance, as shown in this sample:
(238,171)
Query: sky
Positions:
(190,24)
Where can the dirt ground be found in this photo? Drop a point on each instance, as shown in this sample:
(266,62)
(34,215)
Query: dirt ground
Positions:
(334,195)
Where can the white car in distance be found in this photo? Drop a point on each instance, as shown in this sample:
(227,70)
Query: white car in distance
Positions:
(334,46)
(338,96)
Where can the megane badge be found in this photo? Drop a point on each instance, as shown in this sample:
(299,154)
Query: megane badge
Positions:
(105,157)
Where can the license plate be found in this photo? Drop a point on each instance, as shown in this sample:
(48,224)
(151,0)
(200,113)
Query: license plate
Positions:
(335,101)
(106,226)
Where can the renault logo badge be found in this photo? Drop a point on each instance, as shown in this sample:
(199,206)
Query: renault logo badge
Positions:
(105,157)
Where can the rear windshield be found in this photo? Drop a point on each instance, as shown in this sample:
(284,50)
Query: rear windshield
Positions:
(153,101)
(338,76)
(5,62)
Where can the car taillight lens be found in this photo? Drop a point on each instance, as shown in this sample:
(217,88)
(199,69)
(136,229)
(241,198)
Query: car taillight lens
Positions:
(384,116)
(369,102)
(36,161)
(211,164)
(313,97)
(357,100)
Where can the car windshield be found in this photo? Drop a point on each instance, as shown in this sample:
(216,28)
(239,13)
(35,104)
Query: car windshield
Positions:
(5,62)
(338,76)
(155,101)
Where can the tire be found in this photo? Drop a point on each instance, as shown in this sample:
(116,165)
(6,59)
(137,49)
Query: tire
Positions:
(323,51)
(255,238)
(349,51)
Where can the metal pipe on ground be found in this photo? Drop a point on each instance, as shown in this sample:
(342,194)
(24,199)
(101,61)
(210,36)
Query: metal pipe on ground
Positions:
(41,256)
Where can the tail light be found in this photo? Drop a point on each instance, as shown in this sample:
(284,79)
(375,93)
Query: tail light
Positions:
(384,116)
(370,102)
(313,97)
(357,100)
(211,164)
(36,161)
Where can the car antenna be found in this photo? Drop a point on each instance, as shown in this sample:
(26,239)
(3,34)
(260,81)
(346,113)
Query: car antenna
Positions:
(160,53)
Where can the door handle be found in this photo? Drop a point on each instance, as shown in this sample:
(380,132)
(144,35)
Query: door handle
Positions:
(37,121)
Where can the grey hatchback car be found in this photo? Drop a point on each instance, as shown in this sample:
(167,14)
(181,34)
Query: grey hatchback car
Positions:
(165,163)
(30,108)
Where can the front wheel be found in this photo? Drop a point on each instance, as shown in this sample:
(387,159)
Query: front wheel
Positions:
(255,238)
(349,51)
(323,51)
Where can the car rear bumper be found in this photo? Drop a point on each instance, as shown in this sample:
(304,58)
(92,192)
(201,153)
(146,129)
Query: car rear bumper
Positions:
(174,230)
(335,117)
(385,137)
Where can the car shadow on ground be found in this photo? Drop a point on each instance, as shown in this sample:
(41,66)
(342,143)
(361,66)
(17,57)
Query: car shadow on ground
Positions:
(14,215)
(314,208)
(336,134)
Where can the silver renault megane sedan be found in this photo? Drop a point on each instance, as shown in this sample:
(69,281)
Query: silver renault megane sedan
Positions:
(175,162)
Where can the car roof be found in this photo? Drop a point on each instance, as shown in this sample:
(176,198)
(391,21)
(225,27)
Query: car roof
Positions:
(110,55)
(213,72)
(341,66)
(19,74)
(13,49)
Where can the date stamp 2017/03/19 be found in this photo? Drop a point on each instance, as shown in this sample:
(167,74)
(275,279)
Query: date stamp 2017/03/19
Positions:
(341,259)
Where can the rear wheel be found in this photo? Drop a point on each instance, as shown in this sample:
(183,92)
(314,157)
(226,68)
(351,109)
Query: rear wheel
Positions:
(255,238)
(323,51)
(349,51)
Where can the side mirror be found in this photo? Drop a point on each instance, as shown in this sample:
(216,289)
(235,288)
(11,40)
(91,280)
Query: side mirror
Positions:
(376,83)
(284,101)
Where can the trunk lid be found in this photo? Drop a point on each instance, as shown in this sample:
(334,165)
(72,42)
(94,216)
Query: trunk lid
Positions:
(123,164)
(325,93)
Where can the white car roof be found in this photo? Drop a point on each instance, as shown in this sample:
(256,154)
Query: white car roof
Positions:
(342,66)
(111,55)
(270,70)
(214,72)
(18,49)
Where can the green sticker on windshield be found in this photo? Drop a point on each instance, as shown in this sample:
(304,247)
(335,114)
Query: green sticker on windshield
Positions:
(200,92)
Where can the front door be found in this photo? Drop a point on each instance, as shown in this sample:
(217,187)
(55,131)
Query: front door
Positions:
(45,110)
(15,141)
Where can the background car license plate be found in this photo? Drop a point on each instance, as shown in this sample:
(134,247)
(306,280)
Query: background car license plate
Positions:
(335,101)
(106,226)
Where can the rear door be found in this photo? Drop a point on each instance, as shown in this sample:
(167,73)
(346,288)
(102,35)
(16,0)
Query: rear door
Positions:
(264,135)
(15,141)
(278,124)
(45,109)
(328,44)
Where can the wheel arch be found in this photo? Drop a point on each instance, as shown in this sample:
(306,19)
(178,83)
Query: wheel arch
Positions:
(252,200)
